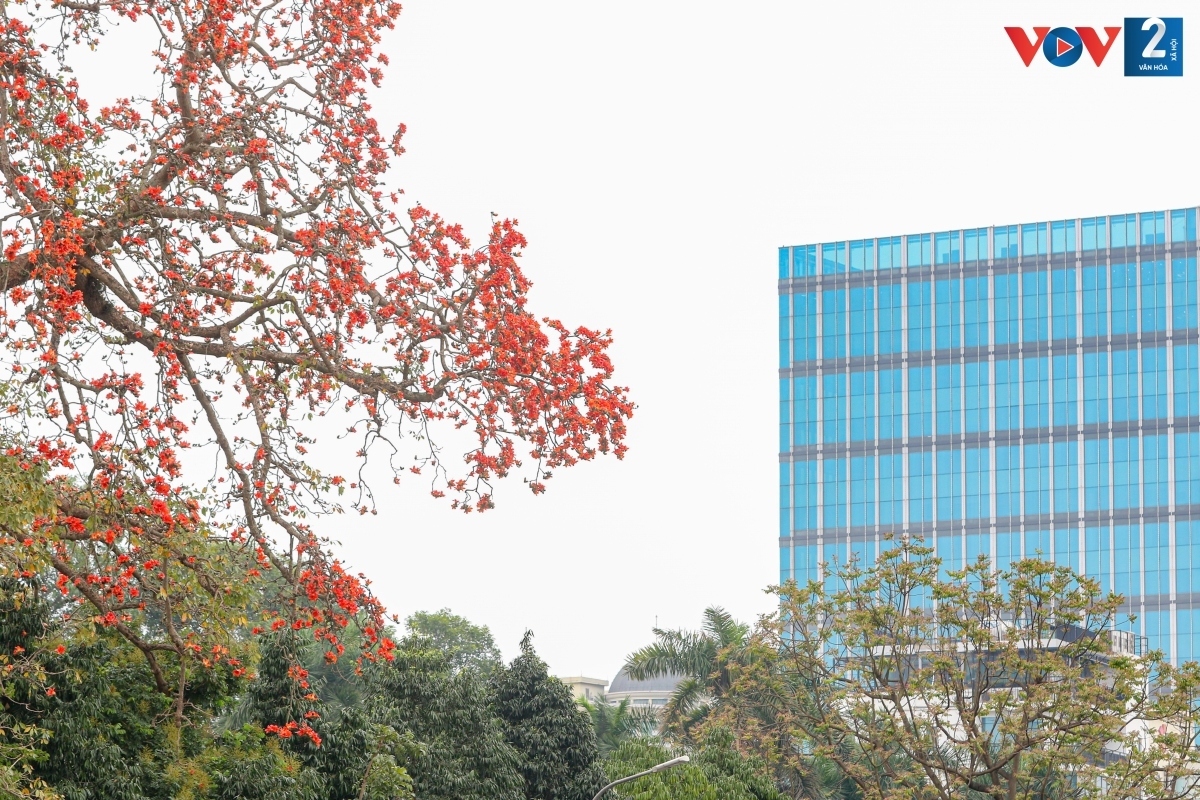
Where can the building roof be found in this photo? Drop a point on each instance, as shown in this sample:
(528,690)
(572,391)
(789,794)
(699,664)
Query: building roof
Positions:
(623,683)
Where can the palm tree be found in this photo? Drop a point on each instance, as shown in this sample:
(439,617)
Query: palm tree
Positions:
(616,724)
(703,658)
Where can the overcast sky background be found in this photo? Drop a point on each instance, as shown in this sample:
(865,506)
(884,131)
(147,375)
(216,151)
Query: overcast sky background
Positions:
(657,154)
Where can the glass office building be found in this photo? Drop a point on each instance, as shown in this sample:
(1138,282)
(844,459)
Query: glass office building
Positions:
(1011,391)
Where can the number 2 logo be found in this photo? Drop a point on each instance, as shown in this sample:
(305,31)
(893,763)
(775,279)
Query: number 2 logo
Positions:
(1153,46)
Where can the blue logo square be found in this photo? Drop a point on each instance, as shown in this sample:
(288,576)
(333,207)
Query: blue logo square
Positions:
(1153,46)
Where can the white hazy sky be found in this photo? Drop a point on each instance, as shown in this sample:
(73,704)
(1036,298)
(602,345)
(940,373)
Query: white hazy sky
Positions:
(657,153)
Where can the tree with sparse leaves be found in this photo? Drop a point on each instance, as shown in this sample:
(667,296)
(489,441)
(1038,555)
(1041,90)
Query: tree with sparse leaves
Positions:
(1008,685)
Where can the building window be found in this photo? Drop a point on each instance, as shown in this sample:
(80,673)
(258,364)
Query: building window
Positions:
(1183,225)
(835,404)
(919,250)
(920,322)
(1125,472)
(1036,471)
(949,484)
(833,258)
(975,245)
(1007,310)
(1094,234)
(978,387)
(1066,398)
(1124,298)
(1095,387)
(804,495)
(833,335)
(862,406)
(1154,227)
(920,486)
(1062,303)
(862,491)
(1005,239)
(804,411)
(1127,551)
(834,501)
(1154,383)
(804,327)
(1125,385)
(947,296)
(975,311)
(891,404)
(1096,557)
(978,483)
(1187,381)
(1154,472)
(804,261)
(862,321)
(1008,395)
(862,256)
(1095,300)
(1183,293)
(1008,481)
(1037,392)
(1154,296)
(1062,236)
(949,399)
(1035,327)
(1095,475)
(920,402)
(891,310)
(889,253)
(1123,230)
(891,489)
(1066,477)
(1033,240)
(946,247)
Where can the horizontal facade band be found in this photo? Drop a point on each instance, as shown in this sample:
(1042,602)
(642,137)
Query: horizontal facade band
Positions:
(981,354)
(996,266)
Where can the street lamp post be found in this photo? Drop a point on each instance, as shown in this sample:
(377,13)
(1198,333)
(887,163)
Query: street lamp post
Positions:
(674,762)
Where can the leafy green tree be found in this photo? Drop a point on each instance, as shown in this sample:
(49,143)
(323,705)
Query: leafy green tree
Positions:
(552,735)
(705,658)
(352,756)
(615,724)
(466,645)
(716,772)
(464,754)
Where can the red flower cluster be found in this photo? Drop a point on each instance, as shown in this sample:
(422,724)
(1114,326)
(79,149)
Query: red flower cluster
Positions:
(200,278)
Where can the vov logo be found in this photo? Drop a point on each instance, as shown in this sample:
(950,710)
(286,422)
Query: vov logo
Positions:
(1062,47)
(1153,45)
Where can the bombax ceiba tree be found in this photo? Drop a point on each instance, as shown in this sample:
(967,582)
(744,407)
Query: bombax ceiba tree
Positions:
(213,268)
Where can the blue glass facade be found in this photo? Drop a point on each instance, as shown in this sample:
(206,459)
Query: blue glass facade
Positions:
(1008,391)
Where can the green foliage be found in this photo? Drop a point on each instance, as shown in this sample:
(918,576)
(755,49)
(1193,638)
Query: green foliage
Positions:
(247,765)
(716,772)
(733,775)
(467,646)
(684,782)
(552,735)
(464,755)
(615,724)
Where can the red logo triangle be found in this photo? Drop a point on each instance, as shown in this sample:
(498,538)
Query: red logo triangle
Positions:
(1064,46)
